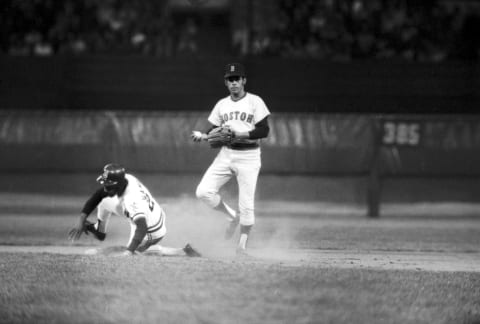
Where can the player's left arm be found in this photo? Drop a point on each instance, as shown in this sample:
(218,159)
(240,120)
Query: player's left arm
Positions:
(140,233)
(261,130)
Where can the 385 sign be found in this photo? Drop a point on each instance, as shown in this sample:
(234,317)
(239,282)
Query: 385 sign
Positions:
(403,133)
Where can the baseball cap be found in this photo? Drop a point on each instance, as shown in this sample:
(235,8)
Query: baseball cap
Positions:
(234,69)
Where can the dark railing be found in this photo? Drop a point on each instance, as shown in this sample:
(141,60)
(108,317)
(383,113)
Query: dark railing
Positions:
(125,83)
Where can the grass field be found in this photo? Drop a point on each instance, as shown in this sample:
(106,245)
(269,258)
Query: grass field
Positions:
(312,263)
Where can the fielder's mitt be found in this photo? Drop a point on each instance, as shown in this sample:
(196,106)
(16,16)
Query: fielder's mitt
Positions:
(219,137)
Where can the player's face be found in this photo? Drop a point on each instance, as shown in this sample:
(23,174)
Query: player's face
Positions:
(235,85)
(115,189)
(111,190)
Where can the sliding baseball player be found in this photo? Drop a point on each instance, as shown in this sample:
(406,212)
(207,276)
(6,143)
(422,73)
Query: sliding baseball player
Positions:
(123,194)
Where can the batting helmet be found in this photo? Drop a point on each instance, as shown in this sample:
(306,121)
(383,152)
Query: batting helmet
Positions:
(113,179)
(113,174)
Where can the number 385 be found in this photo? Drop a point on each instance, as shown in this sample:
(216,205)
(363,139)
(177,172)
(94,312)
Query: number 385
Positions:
(398,133)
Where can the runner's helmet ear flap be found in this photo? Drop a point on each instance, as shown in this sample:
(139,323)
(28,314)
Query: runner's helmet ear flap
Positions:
(112,178)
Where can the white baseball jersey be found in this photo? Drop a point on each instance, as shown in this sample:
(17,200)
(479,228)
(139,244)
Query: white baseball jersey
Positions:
(241,115)
(136,201)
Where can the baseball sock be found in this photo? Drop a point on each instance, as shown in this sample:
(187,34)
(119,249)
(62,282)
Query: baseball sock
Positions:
(223,207)
(244,232)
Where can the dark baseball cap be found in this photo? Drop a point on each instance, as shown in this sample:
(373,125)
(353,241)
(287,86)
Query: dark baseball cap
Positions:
(234,69)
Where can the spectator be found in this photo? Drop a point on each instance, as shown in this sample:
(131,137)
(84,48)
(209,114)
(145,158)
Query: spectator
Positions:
(187,42)
(241,39)
(322,29)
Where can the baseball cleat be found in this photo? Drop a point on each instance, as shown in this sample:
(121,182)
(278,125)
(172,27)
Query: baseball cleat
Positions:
(190,251)
(231,228)
(242,254)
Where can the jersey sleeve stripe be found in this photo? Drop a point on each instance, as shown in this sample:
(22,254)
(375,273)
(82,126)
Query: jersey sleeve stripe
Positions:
(156,226)
(138,215)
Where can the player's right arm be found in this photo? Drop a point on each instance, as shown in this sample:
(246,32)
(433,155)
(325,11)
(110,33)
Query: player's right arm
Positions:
(214,121)
(87,209)
(93,201)
(198,136)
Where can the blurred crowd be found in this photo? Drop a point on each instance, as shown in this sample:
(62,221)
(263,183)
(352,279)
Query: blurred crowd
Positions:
(424,30)
(342,30)
(48,27)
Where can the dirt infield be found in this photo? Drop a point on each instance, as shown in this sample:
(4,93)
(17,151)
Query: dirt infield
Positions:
(311,263)
(428,237)
(386,260)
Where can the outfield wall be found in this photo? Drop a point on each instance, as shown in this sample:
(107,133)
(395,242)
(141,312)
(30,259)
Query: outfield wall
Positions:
(301,143)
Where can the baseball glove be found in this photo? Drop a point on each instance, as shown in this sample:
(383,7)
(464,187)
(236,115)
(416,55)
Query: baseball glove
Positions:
(219,137)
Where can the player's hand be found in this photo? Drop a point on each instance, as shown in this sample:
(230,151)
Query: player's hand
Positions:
(198,136)
(126,253)
(75,233)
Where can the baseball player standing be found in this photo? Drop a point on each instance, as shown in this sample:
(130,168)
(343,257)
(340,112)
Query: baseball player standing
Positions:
(244,116)
(123,194)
